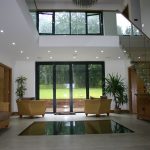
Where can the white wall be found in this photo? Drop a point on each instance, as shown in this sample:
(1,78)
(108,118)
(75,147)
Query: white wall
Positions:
(134,12)
(60,5)
(27,68)
(4,59)
(78,41)
(120,67)
(109,23)
(145,18)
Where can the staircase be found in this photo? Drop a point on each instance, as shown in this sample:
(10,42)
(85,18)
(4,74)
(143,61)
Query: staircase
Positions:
(137,47)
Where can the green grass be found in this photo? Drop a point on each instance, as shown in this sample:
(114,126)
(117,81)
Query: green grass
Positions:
(64,93)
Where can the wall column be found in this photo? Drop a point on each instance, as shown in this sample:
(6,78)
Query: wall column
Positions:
(135,12)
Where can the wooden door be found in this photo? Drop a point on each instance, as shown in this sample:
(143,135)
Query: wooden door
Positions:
(136,86)
(5,83)
(1,83)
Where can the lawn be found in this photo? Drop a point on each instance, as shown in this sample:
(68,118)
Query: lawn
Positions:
(46,93)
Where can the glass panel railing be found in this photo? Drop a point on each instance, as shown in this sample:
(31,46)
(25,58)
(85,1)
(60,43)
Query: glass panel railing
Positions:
(125,27)
(114,23)
(137,47)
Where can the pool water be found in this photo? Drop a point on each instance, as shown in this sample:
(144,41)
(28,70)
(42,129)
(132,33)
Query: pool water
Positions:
(75,127)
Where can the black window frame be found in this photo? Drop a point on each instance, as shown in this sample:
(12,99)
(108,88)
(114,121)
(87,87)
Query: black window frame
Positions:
(41,12)
(100,13)
(86,63)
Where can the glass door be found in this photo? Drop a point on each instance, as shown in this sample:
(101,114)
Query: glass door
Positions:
(62,88)
(65,86)
(95,80)
(46,85)
(79,87)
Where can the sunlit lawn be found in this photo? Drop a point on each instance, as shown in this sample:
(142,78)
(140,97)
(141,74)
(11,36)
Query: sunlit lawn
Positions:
(64,93)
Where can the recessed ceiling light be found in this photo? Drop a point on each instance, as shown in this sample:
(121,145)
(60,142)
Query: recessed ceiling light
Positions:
(21,52)
(97,57)
(51,57)
(2,31)
(74,57)
(13,43)
(102,51)
(119,57)
(27,57)
(75,51)
(49,51)
(139,57)
(124,51)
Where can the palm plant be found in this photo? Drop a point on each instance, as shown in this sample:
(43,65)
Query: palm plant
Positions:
(21,81)
(114,85)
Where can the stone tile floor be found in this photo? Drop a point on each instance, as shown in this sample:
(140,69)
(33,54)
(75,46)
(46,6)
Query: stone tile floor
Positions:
(139,140)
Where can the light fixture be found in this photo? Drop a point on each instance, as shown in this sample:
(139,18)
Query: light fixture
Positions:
(2,31)
(21,52)
(13,43)
(74,57)
(84,3)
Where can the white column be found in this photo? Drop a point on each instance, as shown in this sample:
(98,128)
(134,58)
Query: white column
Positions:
(135,12)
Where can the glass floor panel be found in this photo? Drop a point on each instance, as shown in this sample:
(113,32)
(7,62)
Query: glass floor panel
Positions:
(75,127)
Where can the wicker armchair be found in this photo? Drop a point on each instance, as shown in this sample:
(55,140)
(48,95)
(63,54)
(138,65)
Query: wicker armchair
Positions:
(97,106)
(31,107)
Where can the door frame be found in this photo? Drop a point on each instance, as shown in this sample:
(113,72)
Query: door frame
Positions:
(37,64)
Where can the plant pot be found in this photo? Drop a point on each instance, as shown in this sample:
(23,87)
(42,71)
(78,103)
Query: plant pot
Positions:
(117,110)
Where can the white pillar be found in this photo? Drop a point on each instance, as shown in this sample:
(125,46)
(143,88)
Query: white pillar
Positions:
(135,12)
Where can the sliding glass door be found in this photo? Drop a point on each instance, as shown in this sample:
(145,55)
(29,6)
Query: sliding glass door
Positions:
(45,84)
(66,85)
(62,88)
(95,80)
(79,86)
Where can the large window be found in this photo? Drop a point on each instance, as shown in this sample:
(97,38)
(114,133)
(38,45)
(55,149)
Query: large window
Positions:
(62,23)
(93,22)
(45,22)
(68,22)
(65,85)
(78,23)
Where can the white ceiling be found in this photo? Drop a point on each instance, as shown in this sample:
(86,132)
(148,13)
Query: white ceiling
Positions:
(18,27)
(99,1)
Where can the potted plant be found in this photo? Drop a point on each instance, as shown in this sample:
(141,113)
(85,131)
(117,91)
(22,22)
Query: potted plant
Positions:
(21,86)
(114,85)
